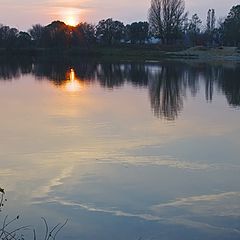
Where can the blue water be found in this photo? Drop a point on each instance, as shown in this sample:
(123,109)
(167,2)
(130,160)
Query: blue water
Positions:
(122,150)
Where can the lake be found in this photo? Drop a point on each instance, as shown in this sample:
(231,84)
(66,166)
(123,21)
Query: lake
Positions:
(123,150)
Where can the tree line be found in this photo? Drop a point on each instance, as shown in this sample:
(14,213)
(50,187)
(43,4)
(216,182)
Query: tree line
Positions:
(59,35)
(168,23)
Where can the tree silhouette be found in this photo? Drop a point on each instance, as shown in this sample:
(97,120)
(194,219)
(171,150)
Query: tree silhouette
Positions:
(23,40)
(167,21)
(57,35)
(83,35)
(137,32)
(166,18)
(194,29)
(110,31)
(36,33)
(232,26)
(210,28)
(8,37)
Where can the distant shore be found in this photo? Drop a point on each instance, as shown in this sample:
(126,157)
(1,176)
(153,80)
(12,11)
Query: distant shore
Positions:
(149,53)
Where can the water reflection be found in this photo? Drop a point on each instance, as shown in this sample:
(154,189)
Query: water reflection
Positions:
(166,89)
(100,158)
(73,84)
(168,83)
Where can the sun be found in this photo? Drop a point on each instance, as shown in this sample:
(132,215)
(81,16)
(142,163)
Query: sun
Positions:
(71,21)
(70,16)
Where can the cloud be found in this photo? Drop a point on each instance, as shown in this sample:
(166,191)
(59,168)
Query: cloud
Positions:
(163,219)
(83,4)
(43,191)
(7,172)
(114,212)
(163,161)
(222,204)
(201,198)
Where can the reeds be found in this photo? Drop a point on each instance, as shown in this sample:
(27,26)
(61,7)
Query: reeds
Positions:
(8,231)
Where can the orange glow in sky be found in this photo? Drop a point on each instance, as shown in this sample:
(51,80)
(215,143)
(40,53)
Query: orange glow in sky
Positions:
(70,16)
(71,21)
(23,14)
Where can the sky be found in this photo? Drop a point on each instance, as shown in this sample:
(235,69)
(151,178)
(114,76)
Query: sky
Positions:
(24,13)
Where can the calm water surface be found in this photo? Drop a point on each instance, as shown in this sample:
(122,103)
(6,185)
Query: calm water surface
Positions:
(123,150)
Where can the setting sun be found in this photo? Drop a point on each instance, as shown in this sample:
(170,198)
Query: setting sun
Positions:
(71,21)
(70,16)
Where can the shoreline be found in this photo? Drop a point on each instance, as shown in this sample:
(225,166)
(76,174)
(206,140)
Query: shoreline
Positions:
(148,54)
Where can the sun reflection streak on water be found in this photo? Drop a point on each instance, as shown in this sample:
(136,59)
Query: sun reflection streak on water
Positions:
(73,85)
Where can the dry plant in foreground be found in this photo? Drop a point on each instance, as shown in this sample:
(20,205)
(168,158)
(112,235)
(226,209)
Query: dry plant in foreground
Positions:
(8,232)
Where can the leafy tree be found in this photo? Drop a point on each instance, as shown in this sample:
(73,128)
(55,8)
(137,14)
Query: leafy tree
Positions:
(36,33)
(8,37)
(194,29)
(83,34)
(211,20)
(110,31)
(138,32)
(166,18)
(211,27)
(232,27)
(57,35)
(23,40)
(219,32)
(3,35)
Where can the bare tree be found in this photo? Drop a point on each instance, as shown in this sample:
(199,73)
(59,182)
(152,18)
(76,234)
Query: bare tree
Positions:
(166,18)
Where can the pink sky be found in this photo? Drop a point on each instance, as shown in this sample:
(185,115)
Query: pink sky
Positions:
(23,13)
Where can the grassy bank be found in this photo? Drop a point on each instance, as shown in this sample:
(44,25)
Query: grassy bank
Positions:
(129,52)
(208,54)
(122,52)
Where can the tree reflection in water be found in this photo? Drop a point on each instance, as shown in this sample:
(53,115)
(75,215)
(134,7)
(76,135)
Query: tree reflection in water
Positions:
(167,82)
(166,92)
